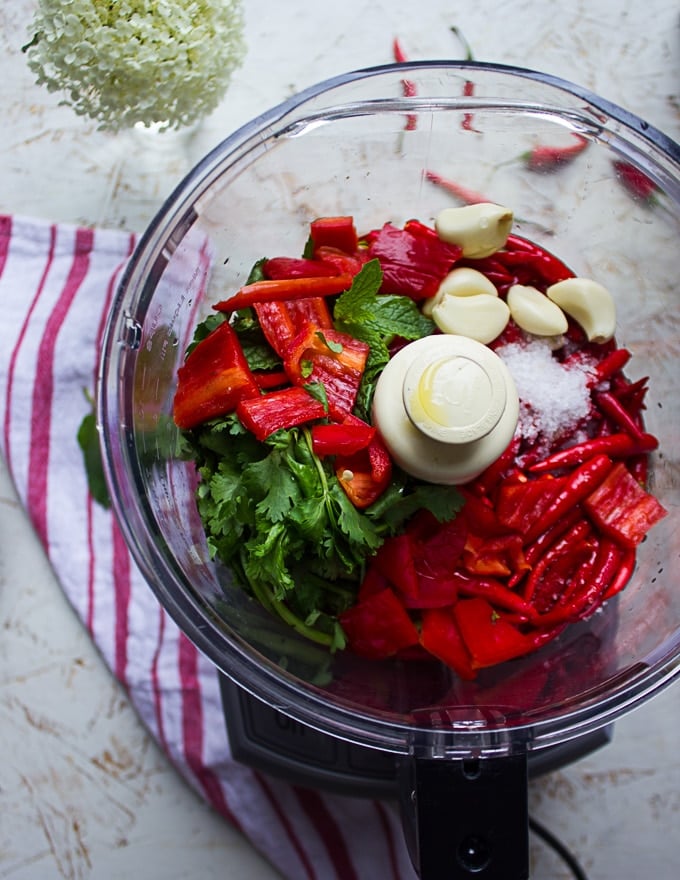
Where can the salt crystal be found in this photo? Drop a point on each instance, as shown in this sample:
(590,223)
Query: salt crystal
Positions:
(553,398)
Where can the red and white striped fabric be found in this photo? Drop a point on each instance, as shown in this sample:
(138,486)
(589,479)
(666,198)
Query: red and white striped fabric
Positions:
(56,284)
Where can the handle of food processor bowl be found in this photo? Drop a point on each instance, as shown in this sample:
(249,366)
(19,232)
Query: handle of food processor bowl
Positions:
(467,818)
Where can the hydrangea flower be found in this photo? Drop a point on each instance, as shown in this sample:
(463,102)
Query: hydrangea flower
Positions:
(123,62)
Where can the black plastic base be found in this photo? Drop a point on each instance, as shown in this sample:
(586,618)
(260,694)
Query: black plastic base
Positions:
(265,739)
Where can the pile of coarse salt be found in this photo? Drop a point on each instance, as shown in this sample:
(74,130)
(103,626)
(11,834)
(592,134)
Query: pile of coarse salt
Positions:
(554,398)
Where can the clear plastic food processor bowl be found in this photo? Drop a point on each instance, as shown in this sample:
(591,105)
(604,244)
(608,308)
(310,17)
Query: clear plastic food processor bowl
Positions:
(344,147)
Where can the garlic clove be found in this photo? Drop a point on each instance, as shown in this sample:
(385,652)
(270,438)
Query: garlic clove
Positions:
(482,317)
(589,303)
(534,312)
(479,230)
(460,282)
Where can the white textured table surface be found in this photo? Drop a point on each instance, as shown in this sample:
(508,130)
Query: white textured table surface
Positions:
(83,791)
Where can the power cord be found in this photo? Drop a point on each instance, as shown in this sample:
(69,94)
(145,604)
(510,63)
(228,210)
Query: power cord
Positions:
(554,843)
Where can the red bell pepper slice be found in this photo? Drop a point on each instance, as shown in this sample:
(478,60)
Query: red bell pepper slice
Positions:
(335,232)
(282,321)
(621,508)
(278,268)
(365,475)
(440,636)
(267,413)
(378,626)
(521,504)
(213,379)
(336,360)
(283,290)
(414,260)
(346,264)
(395,560)
(341,439)
(488,636)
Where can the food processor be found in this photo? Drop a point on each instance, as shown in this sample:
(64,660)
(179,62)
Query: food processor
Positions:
(393,143)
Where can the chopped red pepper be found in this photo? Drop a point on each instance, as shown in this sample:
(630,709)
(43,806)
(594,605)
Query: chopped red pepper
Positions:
(346,264)
(441,637)
(345,438)
(267,413)
(278,268)
(213,379)
(521,504)
(395,560)
(620,507)
(334,232)
(283,289)
(414,260)
(336,360)
(365,475)
(488,636)
(378,626)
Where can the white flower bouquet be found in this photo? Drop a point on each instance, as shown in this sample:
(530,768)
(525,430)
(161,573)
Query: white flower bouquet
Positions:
(123,62)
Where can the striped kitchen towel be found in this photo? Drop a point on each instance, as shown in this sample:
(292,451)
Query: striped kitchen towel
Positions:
(56,286)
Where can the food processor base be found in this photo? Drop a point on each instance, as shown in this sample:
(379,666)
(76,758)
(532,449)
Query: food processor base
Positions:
(266,739)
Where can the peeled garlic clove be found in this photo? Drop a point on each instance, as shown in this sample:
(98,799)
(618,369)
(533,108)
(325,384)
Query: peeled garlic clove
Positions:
(480,230)
(589,304)
(482,317)
(460,282)
(534,312)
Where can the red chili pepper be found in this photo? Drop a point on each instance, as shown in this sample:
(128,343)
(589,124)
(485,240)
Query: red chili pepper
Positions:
(489,479)
(541,263)
(557,562)
(279,268)
(613,363)
(546,158)
(284,290)
(365,475)
(496,594)
(534,550)
(345,438)
(621,508)
(440,636)
(462,193)
(408,86)
(623,574)
(577,486)
(334,232)
(613,445)
(213,379)
(414,260)
(612,407)
(334,359)
(520,505)
(268,413)
(635,182)
(378,626)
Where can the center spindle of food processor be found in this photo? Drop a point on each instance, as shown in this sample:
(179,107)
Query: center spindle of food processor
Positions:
(446,407)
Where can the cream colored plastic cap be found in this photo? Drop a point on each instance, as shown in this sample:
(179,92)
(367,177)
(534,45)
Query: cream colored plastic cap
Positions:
(446,407)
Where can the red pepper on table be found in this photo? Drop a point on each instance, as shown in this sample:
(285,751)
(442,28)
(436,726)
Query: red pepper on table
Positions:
(408,86)
(577,486)
(267,413)
(636,182)
(414,260)
(378,626)
(621,508)
(334,232)
(213,379)
(462,193)
(284,290)
(548,158)
(334,359)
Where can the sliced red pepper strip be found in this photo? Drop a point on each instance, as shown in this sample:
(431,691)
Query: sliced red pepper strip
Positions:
(621,508)
(378,626)
(346,264)
(213,379)
(341,439)
(334,232)
(278,268)
(440,636)
(520,505)
(496,594)
(267,413)
(488,636)
(284,289)
(365,475)
(272,379)
(577,486)
(336,360)
(395,560)
(414,260)
(613,445)
(622,576)
(552,570)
